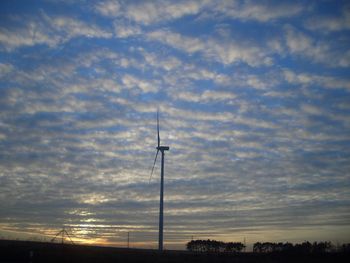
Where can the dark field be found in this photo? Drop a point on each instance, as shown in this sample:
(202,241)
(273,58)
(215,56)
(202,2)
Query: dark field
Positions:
(20,251)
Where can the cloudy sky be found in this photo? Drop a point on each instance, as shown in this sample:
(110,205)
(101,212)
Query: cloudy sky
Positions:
(254,100)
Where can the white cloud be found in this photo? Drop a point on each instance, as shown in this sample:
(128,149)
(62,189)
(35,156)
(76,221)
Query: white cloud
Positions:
(176,40)
(313,79)
(146,86)
(224,52)
(168,63)
(74,27)
(150,12)
(330,23)
(334,116)
(50,31)
(206,96)
(70,105)
(33,33)
(310,109)
(223,116)
(124,31)
(106,85)
(254,81)
(109,8)
(154,11)
(2,136)
(292,77)
(198,115)
(5,69)
(88,59)
(297,41)
(325,52)
(259,11)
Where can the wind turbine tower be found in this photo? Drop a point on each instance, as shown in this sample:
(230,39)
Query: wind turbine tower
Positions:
(162,150)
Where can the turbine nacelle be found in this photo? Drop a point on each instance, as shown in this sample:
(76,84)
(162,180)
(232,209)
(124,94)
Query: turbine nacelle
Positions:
(163,148)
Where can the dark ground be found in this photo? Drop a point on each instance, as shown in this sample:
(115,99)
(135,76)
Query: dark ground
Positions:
(20,251)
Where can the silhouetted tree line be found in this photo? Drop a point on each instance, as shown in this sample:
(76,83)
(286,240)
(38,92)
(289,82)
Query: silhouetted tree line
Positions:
(305,247)
(214,246)
(267,247)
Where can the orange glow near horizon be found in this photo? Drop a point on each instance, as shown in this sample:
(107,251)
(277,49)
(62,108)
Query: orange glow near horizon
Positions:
(174,240)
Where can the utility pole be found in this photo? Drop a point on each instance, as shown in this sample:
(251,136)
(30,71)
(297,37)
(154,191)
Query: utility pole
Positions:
(128,239)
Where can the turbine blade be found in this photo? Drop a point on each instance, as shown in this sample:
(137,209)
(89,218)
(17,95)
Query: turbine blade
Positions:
(158,127)
(155,159)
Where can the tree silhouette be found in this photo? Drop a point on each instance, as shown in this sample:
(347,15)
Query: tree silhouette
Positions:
(304,248)
(214,246)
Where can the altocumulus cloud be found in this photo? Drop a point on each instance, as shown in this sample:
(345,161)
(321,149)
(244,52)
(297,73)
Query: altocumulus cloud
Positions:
(254,101)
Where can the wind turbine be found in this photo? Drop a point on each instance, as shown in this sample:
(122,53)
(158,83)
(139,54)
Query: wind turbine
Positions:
(61,234)
(161,149)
